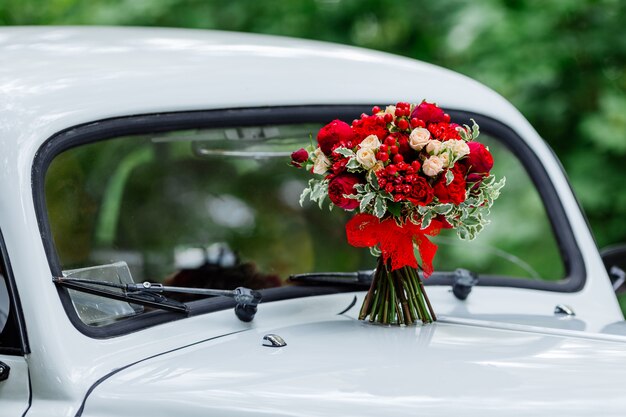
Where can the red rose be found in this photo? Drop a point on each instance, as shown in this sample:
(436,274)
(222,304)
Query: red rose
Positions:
(299,157)
(479,159)
(335,132)
(340,185)
(429,113)
(421,192)
(453,192)
(370,125)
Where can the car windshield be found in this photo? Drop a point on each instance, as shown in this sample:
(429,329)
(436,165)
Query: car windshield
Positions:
(219,208)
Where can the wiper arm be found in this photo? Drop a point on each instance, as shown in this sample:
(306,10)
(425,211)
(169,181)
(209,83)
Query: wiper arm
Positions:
(149,294)
(247,300)
(141,298)
(363,278)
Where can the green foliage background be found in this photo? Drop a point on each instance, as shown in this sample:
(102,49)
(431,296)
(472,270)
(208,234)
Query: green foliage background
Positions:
(561,62)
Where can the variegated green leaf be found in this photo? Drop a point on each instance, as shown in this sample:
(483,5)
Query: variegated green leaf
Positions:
(345,152)
(380,207)
(353,164)
(443,208)
(449,177)
(367,199)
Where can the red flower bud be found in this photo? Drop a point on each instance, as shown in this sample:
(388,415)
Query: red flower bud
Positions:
(299,157)
(479,158)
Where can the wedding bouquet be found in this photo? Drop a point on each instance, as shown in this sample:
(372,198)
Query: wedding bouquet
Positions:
(408,172)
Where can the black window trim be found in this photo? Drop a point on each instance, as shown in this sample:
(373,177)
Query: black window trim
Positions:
(15,308)
(163,122)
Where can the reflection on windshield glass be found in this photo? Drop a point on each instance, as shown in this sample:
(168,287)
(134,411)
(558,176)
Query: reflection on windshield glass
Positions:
(219,208)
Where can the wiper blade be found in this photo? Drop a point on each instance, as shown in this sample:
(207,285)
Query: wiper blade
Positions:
(247,300)
(141,298)
(149,294)
(462,279)
(359,278)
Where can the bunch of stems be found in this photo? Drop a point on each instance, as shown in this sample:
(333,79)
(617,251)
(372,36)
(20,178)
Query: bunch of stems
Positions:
(396,297)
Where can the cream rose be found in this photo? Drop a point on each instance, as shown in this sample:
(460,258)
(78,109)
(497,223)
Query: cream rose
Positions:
(320,162)
(370,142)
(366,157)
(445,159)
(418,138)
(433,147)
(458,148)
(432,166)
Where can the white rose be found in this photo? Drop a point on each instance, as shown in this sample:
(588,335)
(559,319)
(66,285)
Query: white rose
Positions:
(370,142)
(445,159)
(458,148)
(418,138)
(433,147)
(391,110)
(366,157)
(378,166)
(432,166)
(320,162)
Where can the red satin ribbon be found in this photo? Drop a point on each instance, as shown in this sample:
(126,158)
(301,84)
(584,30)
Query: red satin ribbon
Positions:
(395,242)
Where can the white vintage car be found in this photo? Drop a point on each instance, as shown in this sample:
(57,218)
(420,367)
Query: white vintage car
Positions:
(161,156)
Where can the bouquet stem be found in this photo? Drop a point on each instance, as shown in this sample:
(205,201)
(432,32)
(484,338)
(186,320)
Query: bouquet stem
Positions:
(396,297)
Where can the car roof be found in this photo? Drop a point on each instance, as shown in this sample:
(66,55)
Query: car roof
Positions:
(52,78)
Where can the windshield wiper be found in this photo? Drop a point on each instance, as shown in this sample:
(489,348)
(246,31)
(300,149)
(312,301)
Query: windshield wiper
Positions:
(149,294)
(462,279)
(360,278)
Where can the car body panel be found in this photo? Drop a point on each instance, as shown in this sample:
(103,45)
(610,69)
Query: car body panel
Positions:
(15,391)
(53,79)
(336,365)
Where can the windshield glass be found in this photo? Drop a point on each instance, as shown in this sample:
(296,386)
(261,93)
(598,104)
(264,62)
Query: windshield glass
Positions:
(219,208)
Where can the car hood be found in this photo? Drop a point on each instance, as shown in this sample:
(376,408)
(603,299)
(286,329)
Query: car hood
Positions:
(345,367)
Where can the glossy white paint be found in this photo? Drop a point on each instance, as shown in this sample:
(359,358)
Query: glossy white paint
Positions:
(54,78)
(336,365)
(14,390)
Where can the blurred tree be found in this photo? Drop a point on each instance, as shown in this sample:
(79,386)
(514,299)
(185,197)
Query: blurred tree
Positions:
(562,63)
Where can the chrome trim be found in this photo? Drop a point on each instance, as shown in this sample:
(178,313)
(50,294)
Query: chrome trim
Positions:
(273,340)
(564,309)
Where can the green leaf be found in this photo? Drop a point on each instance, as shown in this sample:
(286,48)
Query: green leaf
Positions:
(443,208)
(394,208)
(380,207)
(345,152)
(367,199)
(306,192)
(353,164)
(463,134)
(372,179)
(426,219)
(449,177)
(471,221)
(475,129)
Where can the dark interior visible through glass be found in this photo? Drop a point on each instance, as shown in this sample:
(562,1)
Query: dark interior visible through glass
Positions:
(219,208)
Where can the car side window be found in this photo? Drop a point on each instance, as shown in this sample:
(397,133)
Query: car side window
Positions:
(4,304)
(9,336)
